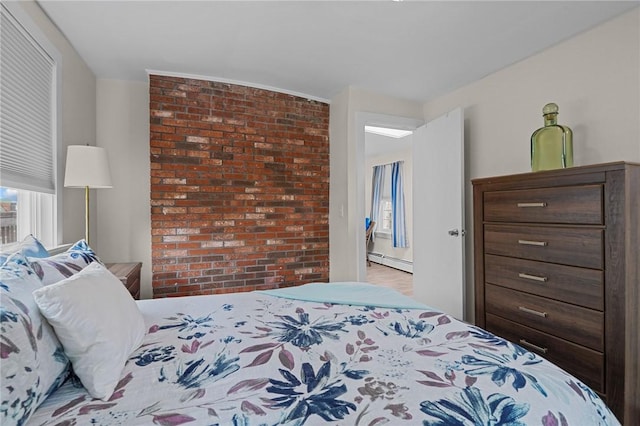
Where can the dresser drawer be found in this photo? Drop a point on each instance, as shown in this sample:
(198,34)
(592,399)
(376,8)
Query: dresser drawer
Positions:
(568,246)
(579,286)
(574,323)
(572,204)
(584,363)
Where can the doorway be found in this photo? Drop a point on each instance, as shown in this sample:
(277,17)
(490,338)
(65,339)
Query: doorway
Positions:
(438,228)
(362,207)
(389,259)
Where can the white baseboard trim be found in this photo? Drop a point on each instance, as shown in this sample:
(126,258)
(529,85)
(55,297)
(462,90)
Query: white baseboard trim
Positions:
(400,264)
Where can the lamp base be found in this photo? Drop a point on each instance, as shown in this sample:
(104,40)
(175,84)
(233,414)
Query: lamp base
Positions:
(86,214)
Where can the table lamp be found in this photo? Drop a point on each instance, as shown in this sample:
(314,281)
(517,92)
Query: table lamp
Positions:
(87,167)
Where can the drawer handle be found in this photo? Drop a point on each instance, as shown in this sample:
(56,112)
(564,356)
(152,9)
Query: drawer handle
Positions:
(533,277)
(532,243)
(533,312)
(525,205)
(529,345)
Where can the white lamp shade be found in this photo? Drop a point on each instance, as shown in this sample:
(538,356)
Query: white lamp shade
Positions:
(87,166)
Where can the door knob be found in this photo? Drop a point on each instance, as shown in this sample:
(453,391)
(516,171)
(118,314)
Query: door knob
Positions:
(455,232)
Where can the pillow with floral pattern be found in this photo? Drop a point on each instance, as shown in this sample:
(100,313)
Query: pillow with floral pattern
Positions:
(32,360)
(29,246)
(60,266)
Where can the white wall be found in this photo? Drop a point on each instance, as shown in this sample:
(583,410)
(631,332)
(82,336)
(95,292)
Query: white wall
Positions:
(124,223)
(593,77)
(341,256)
(385,245)
(595,80)
(78,120)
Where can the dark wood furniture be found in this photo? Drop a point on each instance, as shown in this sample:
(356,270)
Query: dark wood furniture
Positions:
(557,264)
(129,274)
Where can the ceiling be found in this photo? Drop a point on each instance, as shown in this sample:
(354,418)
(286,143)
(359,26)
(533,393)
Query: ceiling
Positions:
(413,50)
(377,145)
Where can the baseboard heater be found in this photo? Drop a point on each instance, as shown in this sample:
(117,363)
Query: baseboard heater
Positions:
(401,264)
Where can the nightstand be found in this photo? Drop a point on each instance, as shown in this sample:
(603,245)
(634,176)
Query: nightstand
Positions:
(129,274)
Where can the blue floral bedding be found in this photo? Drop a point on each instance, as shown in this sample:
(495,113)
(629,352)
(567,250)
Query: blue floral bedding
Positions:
(255,359)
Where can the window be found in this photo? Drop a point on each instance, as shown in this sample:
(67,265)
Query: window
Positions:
(28,129)
(27,212)
(387,216)
(385,228)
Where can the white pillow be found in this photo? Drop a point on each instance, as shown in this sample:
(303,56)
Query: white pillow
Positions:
(98,323)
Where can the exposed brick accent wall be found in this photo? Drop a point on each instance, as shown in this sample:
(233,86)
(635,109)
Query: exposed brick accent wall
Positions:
(239,188)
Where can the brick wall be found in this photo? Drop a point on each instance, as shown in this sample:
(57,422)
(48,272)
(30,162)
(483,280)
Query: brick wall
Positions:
(239,188)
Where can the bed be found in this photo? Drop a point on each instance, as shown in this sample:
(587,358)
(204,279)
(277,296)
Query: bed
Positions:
(330,353)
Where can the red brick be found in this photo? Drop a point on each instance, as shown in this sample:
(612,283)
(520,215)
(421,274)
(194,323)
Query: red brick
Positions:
(239,188)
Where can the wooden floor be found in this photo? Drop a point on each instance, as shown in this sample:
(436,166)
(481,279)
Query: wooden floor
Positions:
(390,277)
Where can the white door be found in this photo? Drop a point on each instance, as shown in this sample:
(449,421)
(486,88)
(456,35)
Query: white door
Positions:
(438,213)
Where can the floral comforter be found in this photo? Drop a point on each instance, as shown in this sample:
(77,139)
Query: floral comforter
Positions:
(254,359)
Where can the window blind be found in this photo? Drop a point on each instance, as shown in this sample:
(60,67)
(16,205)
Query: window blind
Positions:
(27,109)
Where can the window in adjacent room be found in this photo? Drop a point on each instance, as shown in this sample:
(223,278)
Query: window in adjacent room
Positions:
(387,216)
(28,130)
(386,207)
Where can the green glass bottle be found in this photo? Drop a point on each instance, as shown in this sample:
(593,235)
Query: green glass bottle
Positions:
(551,145)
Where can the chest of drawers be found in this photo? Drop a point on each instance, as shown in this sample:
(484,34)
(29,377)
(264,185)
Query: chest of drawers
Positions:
(557,264)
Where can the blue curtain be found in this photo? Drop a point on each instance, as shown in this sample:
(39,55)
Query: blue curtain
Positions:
(377,182)
(397,204)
